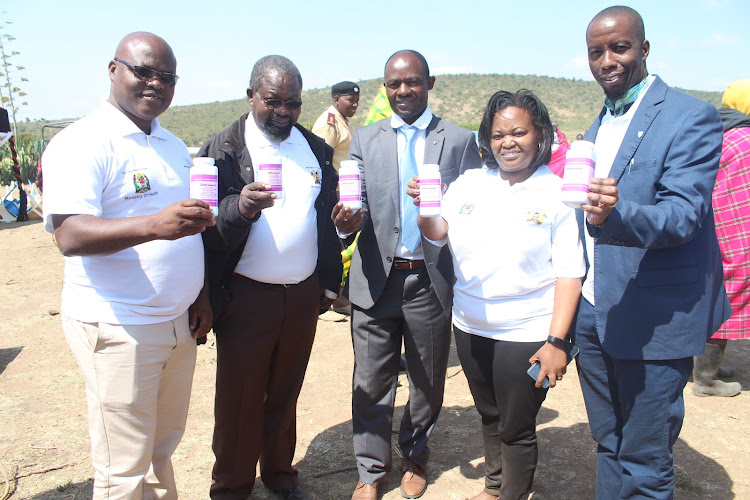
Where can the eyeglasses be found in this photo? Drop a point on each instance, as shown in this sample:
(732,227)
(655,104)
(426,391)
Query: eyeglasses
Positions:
(277,103)
(145,73)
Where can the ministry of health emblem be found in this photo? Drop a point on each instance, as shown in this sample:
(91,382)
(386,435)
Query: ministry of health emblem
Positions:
(141,183)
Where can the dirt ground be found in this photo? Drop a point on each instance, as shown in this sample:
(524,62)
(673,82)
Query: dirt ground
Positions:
(45,441)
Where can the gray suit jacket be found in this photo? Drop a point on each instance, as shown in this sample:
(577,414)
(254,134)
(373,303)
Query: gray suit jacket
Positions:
(375,148)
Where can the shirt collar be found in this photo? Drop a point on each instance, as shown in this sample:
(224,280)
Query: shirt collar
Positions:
(420,123)
(621,106)
(124,126)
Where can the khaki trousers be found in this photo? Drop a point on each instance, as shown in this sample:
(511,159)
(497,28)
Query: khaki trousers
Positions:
(138,380)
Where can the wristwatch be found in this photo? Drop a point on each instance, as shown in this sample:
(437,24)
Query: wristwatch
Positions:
(559,343)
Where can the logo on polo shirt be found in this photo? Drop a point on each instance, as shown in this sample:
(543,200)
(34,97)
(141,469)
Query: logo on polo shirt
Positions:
(315,176)
(141,183)
(536,217)
(466,209)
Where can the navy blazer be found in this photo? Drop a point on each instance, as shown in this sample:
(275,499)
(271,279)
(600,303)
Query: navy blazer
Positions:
(658,284)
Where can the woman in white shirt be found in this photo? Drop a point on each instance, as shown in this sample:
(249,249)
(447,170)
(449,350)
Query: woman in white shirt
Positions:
(518,263)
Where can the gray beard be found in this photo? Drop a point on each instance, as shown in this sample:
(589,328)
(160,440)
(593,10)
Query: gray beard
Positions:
(277,134)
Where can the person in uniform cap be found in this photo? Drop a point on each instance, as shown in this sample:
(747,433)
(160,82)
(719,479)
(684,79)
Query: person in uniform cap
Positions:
(333,124)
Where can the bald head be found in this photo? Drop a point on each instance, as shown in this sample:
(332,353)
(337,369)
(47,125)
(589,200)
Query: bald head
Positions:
(410,54)
(142,98)
(636,21)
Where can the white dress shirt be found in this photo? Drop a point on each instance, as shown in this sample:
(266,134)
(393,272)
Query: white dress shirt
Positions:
(607,145)
(420,136)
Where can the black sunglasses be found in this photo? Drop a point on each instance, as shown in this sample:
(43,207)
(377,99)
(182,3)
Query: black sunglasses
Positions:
(145,73)
(277,103)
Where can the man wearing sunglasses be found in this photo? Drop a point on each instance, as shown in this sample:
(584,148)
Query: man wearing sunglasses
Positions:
(115,199)
(273,264)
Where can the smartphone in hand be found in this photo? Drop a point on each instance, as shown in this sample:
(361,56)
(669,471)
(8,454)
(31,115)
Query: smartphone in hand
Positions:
(534,369)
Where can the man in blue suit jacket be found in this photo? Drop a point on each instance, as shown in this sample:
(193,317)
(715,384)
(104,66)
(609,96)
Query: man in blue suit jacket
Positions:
(654,290)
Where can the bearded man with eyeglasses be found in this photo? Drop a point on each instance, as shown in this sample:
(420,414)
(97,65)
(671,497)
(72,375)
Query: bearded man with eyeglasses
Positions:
(273,265)
(133,298)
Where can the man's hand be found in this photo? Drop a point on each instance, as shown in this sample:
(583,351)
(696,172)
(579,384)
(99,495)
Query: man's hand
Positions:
(325,301)
(346,220)
(254,198)
(182,218)
(201,316)
(602,199)
(413,189)
(83,234)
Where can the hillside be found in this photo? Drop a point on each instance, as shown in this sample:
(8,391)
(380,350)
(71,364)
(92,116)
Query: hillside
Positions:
(459,98)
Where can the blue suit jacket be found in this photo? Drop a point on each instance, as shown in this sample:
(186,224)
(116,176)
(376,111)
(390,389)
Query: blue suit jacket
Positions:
(659,286)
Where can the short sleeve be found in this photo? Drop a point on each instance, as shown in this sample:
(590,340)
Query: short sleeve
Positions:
(74,175)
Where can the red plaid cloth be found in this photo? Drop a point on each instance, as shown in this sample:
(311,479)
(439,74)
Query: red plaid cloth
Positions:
(731,202)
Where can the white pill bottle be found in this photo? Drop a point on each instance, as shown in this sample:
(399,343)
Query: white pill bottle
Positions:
(430,190)
(580,162)
(350,184)
(204,182)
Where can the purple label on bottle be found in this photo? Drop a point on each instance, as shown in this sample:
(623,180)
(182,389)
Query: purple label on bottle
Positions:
(205,187)
(349,188)
(270,173)
(578,174)
(576,187)
(429,196)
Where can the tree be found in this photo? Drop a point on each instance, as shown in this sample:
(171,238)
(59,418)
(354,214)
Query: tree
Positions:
(10,93)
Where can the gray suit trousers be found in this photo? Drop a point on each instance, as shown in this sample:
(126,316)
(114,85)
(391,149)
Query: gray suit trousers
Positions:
(408,310)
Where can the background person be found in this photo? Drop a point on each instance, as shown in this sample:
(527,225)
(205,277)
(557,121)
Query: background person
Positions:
(333,124)
(115,201)
(515,295)
(731,204)
(333,127)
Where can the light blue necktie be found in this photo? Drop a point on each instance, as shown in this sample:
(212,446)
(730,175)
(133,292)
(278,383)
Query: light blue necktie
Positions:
(409,230)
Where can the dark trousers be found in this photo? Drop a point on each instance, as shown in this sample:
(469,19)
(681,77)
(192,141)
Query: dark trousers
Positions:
(263,342)
(635,411)
(407,310)
(508,403)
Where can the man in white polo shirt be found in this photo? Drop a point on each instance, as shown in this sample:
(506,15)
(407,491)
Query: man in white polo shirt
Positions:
(133,298)
(273,263)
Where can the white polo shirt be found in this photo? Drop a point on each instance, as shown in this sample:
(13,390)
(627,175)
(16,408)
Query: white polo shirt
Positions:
(104,165)
(509,246)
(282,247)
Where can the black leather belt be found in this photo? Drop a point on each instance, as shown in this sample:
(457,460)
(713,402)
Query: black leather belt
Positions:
(406,264)
(267,286)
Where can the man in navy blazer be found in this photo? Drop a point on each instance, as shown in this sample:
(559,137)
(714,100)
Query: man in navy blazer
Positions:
(654,290)
(399,294)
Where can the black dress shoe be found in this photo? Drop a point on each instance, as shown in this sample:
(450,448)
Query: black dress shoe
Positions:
(296,493)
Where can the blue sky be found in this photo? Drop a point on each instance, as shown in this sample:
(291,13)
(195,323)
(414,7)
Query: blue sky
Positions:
(66,45)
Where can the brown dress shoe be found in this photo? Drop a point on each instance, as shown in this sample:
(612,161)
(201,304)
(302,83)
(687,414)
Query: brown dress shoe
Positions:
(414,480)
(365,491)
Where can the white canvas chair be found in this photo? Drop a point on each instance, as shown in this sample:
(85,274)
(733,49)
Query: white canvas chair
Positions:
(34,200)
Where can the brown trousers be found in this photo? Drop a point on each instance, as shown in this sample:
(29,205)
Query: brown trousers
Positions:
(263,342)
